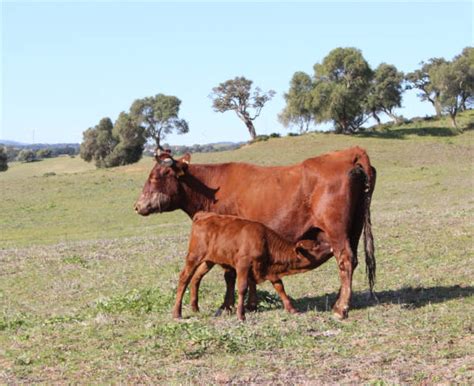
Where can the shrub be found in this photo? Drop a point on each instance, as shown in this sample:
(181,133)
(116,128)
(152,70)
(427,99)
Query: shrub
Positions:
(26,155)
(3,159)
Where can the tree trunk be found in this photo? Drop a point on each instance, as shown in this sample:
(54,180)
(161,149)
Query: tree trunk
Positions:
(250,127)
(453,120)
(374,114)
(437,107)
(396,118)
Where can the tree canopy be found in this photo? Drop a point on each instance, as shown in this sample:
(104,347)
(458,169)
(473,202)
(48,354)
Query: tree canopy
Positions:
(130,141)
(98,143)
(341,87)
(455,83)
(298,109)
(421,79)
(385,92)
(159,116)
(237,95)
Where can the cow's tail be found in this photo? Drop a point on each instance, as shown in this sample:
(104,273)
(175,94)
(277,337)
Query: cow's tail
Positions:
(362,159)
(370,263)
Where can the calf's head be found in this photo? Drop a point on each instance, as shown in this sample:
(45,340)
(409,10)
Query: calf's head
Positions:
(162,191)
(313,249)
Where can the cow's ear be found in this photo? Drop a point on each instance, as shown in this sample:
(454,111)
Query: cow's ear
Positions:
(182,164)
(186,159)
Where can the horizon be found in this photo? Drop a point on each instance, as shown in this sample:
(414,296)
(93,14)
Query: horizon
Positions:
(67,65)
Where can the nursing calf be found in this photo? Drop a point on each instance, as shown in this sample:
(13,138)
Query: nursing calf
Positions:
(255,252)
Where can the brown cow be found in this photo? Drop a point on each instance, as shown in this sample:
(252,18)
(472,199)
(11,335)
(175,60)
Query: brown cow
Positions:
(325,198)
(254,251)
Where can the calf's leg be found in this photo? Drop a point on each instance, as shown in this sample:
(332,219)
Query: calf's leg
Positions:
(242,284)
(229,297)
(201,271)
(280,289)
(184,279)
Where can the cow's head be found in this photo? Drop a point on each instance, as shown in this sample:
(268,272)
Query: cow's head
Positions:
(162,191)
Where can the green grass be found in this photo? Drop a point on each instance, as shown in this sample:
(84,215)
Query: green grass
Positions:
(87,286)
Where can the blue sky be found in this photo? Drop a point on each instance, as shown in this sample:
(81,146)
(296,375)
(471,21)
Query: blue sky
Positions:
(66,65)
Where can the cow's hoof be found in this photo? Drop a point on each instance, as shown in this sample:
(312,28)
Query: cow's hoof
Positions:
(251,307)
(341,313)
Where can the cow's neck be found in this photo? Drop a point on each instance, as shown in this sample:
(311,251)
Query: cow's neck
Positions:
(199,187)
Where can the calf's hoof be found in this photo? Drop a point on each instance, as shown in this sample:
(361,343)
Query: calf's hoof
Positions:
(195,308)
(242,318)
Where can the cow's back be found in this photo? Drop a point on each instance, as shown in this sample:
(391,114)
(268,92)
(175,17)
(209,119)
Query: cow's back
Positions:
(289,199)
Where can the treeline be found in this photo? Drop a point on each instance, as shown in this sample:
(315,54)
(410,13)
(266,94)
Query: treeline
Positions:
(346,91)
(343,90)
(196,148)
(36,152)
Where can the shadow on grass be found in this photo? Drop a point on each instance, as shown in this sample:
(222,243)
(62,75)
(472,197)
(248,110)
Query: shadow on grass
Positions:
(408,297)
(402,133)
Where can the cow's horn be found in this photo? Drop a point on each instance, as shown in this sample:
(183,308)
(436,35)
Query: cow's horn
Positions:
(167,161)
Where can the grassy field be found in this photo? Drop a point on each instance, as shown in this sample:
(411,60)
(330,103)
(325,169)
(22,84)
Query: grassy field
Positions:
(87,286)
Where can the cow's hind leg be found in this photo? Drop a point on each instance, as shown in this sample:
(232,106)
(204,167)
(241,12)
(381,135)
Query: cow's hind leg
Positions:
(252,297)
(202,270)
(346,265)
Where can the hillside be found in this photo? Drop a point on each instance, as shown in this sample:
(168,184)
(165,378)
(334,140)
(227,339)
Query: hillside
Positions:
(87,285)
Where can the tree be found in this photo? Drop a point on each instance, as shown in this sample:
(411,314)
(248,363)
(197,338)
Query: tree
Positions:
(236,94)
(298,102)
(113,145)
(421,80)
(98,143)
(385,92)
(3,159)
(130,142)
(44,153)
(341,87)
(26,155)
(464,66)
(455,83)
(158,116)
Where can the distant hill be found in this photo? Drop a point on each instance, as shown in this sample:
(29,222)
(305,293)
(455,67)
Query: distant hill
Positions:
(7,142)
(37,146)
